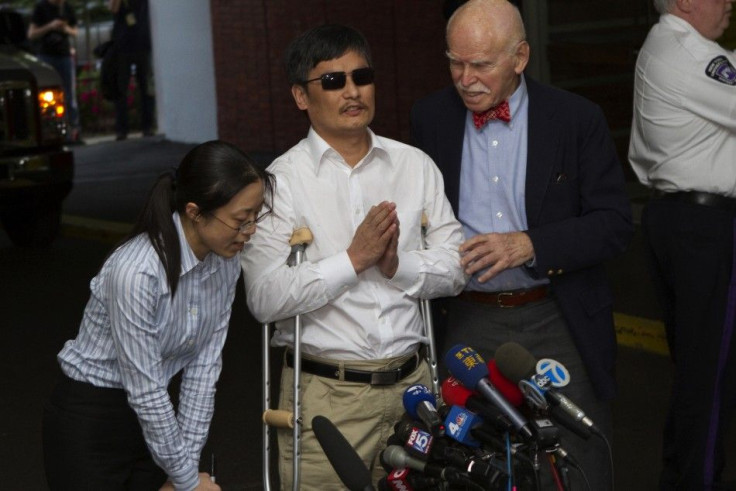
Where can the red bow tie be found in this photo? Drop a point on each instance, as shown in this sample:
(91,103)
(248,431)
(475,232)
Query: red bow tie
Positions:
(500,111)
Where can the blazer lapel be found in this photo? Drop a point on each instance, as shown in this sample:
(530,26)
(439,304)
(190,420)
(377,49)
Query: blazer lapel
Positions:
(452,149)
(541,150)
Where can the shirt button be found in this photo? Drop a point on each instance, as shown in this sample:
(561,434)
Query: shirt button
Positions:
(499,214)
(495,179)
(193,311)
(494,143)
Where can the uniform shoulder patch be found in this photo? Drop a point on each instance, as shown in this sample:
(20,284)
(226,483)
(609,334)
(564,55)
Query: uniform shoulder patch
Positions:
(721,70)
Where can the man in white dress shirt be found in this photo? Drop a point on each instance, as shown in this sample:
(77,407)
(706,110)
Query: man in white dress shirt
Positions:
(358,291)
(683,146)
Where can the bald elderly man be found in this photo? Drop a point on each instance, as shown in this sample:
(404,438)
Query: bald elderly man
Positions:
(532,174)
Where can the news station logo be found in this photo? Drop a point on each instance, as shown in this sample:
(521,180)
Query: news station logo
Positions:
(397,479)
(419,441)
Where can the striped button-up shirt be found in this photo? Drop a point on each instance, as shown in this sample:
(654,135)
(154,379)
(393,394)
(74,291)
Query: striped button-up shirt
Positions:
(134,336)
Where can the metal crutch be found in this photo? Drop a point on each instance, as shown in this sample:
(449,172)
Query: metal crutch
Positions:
(426,310)
(299,241)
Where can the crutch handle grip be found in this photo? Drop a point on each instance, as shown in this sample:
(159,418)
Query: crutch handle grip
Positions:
(301,236)
(278,418)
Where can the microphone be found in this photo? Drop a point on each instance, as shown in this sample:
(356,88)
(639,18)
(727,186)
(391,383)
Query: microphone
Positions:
(344,459)
(516,363)
(420,403)
(506,387)
(468,366)
(405,480)
(455,394)
(398,479)
(397,457)
(459,422)
(485,470)
(415,439)
(484,434)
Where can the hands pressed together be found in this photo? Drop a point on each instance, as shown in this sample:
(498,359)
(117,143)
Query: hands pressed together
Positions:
(376,240)
(497,252)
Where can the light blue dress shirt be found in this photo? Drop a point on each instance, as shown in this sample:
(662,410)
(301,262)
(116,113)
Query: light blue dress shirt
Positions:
(492,185)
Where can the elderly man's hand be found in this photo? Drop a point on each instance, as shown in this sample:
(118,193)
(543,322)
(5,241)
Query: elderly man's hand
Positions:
(495,251)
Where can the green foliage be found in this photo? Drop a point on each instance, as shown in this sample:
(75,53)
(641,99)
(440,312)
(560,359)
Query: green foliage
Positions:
(96,114)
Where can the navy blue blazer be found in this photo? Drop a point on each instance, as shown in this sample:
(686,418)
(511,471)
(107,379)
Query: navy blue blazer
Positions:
(577,209)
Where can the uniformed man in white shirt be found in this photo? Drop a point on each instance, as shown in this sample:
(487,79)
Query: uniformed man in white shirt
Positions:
(683,146)
(363,197)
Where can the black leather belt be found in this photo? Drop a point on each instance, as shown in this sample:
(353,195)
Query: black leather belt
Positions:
(383,377)
(700,198)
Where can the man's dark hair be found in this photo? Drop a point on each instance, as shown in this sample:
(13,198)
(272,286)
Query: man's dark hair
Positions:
(323,43)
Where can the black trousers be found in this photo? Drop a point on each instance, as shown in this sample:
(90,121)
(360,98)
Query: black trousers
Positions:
(691,253)
(92,441)
(142,62)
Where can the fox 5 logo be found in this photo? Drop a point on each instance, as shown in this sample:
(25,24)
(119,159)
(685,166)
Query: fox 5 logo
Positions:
(419,441)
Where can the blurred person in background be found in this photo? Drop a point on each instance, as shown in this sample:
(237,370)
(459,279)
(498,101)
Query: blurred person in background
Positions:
(131,34)
(53,25)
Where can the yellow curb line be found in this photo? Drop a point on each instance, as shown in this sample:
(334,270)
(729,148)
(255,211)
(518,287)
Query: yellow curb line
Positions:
(640,333)
(92,229)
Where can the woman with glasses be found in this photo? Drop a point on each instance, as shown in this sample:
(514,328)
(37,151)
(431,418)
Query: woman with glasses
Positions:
(159,305)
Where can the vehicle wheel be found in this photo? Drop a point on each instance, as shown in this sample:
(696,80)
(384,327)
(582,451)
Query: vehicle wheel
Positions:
(34,227)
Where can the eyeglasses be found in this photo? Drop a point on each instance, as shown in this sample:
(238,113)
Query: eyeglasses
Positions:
(245,227)
(337,80)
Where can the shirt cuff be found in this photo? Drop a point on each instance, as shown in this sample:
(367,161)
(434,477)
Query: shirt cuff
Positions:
(338,273)
(188,482)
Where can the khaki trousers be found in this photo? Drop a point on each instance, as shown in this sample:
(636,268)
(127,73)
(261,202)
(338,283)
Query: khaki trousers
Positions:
(365,414)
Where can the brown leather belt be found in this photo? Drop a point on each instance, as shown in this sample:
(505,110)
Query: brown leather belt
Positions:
(382,377)
(510,299)
(699,198)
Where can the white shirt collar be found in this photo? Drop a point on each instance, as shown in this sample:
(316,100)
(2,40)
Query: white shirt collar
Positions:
(318,148)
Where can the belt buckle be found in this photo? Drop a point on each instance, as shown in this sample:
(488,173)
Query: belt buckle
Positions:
(389,377)
(499,296)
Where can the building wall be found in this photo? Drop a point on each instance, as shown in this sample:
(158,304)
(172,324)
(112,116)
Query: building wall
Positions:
(184,74)
(584,46)
(255,108)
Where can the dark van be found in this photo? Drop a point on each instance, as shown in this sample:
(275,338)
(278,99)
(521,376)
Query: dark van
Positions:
(36,170)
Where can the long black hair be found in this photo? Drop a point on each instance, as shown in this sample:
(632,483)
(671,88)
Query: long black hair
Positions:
(209,176)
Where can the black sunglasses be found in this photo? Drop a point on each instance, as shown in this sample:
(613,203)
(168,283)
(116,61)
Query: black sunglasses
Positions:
(337,80)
